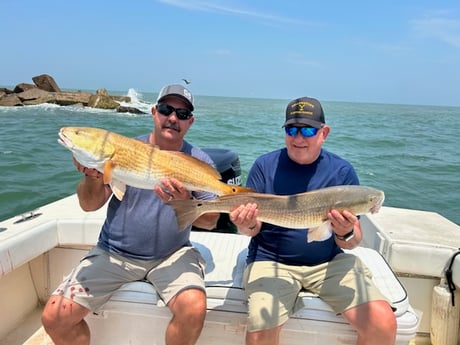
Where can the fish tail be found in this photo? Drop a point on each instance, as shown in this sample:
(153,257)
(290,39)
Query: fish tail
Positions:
(187,211)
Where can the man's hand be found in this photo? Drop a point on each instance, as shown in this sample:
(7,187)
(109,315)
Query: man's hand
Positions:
(245,218)
(342,222)
(87,171)
(172,188)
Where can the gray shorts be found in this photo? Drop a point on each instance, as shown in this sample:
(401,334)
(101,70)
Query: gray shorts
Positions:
(101,273)
(272,288)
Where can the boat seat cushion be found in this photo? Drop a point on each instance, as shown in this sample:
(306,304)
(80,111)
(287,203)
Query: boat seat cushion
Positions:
(225,255)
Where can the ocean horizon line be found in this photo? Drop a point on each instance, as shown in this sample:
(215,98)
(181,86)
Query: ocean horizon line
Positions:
(322,100)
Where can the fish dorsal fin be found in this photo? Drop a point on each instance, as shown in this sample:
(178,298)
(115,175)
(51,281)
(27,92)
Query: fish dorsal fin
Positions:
(118,189)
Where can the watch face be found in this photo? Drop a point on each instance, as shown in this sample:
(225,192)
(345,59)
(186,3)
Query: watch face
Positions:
(349,236)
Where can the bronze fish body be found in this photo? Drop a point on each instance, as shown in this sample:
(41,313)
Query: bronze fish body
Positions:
(127,161)
(298,211)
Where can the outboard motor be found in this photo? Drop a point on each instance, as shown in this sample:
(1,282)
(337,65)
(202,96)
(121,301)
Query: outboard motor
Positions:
(228,164)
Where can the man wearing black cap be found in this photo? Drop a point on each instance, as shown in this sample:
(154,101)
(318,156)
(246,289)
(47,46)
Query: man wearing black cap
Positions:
(284,254)
(139,240)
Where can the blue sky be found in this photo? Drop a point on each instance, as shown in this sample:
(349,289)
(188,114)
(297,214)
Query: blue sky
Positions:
(403,52)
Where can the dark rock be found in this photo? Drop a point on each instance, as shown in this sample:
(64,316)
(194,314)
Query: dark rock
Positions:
(46,99)
(123,109)
(102,102)
(5,90)
(102,92)
(71,98)
(35,96)
(45,90)
(23,87)
(126,99)
(34,93)
(10,100)
(46,82)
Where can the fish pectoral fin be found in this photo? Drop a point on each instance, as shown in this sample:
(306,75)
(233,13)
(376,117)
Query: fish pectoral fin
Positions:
(118,189)
(320,233)
(108,169)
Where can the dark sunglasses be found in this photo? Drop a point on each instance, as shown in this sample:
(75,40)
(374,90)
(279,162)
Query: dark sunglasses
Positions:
(181,113)
(306,132)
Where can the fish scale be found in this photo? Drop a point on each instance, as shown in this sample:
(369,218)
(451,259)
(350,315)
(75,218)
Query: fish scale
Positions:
(127,161)
(298,211)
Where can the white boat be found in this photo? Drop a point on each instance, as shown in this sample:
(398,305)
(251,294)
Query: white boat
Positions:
(407,251)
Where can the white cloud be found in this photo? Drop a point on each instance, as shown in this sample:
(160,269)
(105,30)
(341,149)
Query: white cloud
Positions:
(440,27)
(216,7)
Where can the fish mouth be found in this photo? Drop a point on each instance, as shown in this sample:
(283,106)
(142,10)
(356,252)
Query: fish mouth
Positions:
(64,141)
(378,205)
(375,208)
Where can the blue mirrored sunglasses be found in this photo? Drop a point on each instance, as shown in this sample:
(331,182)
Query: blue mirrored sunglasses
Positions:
(306,132)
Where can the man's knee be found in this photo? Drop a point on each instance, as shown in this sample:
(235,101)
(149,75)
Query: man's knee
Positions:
(189,304)
(60,313)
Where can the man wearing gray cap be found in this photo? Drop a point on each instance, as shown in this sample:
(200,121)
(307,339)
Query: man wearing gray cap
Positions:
(140,240)
(280,260)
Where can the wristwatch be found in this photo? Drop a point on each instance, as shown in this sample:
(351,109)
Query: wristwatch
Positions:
(347,237)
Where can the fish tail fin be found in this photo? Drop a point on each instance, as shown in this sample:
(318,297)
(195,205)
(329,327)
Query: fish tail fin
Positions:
(187,211)
(320,233)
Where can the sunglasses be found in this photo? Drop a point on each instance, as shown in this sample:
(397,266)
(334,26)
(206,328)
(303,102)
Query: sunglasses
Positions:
(306,132)
(181,113)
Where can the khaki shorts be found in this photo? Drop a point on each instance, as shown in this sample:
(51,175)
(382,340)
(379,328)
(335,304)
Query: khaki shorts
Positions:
(101,273)
(272,288)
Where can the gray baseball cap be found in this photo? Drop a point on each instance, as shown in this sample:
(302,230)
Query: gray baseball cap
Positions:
(176,90)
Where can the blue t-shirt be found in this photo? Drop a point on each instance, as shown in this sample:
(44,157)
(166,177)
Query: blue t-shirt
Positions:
(276,173)
(142,226)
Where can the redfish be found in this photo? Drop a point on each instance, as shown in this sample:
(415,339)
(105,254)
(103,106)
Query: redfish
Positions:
(298,211)
(126,161)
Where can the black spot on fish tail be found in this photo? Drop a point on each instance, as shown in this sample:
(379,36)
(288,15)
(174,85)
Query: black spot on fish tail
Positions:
(292,200)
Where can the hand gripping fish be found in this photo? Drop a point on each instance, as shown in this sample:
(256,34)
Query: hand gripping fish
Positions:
(126,161)
(298,211)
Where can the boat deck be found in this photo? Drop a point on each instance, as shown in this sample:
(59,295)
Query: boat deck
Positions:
(416,244)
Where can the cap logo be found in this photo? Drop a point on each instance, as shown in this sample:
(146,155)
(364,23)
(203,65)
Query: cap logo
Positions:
(187,95)
(301,108)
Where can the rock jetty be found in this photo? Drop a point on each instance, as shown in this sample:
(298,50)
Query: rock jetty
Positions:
(45,90)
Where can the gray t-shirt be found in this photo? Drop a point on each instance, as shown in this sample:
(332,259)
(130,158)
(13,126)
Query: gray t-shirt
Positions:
(142,226)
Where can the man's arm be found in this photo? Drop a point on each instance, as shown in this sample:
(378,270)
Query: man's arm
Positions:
(91,191)
(207,221)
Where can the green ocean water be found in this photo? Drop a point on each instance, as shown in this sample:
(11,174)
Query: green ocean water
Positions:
(409,151)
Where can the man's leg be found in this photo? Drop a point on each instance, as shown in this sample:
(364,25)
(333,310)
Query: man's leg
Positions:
(63,321)
(374,321)
(189,312)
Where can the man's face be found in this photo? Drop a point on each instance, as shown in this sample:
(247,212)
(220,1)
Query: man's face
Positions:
(171,127)
(305,150)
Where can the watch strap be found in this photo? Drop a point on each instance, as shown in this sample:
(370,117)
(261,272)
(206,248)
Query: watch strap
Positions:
(348,236)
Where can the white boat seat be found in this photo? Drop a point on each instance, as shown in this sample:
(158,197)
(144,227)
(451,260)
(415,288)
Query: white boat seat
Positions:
(225,255)
(224,274)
